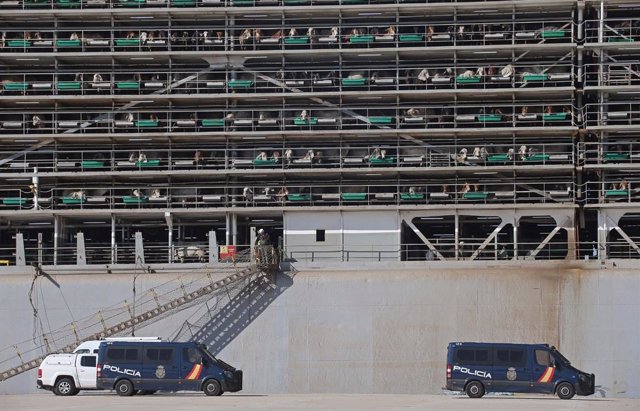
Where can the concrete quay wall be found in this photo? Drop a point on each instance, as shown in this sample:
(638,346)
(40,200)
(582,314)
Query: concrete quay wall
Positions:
(371,330)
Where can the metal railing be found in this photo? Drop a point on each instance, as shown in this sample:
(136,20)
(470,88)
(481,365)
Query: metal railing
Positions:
(457,115)
(129,4)
(283,156)
(613,113)
(287,80)
(288,36)
(615,30)
(612,152)
(278,194)
(622,73)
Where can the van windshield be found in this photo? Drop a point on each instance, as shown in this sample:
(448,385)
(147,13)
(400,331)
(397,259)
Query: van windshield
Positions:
(214,360)
(561,357)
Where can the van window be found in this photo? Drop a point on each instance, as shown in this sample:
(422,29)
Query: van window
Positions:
(88,361)
(509,357)
(472,356)
(122,354)
(159,354)
(543,358)
(82,351)
(192,355)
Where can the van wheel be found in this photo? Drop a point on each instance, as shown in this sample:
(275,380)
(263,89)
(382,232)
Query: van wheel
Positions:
(212,388)
(565,391)
(65,386)
(124,388)
(475,389)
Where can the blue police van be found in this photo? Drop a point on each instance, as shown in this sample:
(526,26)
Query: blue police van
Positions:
(130,367)
(477,368)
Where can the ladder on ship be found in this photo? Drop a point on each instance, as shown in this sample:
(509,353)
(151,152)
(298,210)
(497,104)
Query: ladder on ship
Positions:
(266,265)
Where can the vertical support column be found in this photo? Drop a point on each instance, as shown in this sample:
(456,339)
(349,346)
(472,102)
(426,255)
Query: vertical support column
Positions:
(21,260)
(40,250)
(515,236)
(34,183)
(456,236)
(169,219)
(81,255)
(234,228)
(213,247)
(56,238)
(571,238)
(114,254)
(252,238)
(139,248)
(227,228)
(603,230)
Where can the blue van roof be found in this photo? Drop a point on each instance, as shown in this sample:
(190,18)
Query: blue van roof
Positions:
(497,343)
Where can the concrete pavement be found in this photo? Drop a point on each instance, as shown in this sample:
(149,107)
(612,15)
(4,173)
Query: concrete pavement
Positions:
(285,402)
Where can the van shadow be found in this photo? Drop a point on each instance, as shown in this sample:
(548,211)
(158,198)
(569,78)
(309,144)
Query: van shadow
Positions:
(225,325)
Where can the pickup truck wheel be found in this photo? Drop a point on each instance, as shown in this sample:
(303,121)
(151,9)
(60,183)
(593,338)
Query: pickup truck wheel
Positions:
(124,388)
(212,388)
(65,387)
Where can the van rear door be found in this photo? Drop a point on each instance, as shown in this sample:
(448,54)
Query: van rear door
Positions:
(86,366)
(511,369)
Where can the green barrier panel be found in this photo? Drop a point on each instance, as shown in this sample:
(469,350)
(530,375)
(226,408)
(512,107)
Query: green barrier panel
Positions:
(73,200)
(386,160)
(616,156)
(552,34)
(19,43)
(380,120)
(554,117)
(467,80)
(411,37)
(296,40)
(212,123)
(16,86)
(13,201)
(134,199)
(92,164)
(68,43)
(148,163)
(498,158)
(535,77)
(537,157)
(299,197)
(365,38)
(127,42)
(269,162)
(354,196)
(240,83)
(475,195)
(147,123)
(69,85)
(616,193)
(305,122)
(354,81)
(489,117)
(414,196)
(127,85)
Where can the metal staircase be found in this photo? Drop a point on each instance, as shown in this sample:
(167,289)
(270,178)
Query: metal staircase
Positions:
(185,299)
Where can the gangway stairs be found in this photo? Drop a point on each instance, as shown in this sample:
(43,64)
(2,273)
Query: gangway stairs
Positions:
(185,300)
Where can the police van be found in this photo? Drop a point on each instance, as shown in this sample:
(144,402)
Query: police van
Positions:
(476,368)
(128,367)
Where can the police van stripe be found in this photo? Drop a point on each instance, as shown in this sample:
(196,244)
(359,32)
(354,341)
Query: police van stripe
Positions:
(194,374)
(547,375)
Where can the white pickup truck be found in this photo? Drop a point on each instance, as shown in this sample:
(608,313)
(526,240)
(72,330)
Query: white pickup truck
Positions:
(67,374)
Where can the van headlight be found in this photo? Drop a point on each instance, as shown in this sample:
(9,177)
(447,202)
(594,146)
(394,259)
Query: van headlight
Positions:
(582,377)
(228,374)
